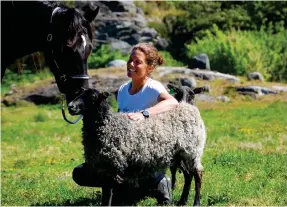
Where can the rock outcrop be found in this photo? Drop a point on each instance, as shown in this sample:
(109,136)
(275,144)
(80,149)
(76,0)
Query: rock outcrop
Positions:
(121,24)
(202,74)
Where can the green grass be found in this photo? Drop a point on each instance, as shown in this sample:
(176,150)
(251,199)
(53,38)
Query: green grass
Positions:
(24,79)
(244,161)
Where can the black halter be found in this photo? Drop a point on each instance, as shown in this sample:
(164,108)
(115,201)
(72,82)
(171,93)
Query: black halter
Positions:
(63,76)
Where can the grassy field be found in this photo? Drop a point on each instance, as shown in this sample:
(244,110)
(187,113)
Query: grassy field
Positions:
(244,161)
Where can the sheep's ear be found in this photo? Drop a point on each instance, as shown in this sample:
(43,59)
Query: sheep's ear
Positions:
(172,87)
(198,90)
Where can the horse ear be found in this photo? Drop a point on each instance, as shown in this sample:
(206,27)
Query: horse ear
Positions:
(90,15)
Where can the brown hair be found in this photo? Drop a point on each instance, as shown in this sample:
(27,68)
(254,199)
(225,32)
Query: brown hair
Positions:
(153,57)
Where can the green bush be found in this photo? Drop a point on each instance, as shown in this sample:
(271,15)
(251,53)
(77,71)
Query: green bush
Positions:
(169,60)
(241,52)
(101,56)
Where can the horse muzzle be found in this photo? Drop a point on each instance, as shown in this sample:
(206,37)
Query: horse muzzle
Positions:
(74,109)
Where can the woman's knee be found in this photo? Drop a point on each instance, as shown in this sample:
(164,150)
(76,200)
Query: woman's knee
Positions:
(84,175)
(78,174)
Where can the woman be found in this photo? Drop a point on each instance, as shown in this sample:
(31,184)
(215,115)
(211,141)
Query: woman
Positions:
(144,97)
(140,98)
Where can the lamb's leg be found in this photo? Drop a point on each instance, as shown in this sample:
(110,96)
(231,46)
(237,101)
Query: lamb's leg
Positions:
(187,183)
(107,196)
(173,177)
(198,180)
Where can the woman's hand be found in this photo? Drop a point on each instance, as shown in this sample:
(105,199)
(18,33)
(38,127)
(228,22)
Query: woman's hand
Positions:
(136,116)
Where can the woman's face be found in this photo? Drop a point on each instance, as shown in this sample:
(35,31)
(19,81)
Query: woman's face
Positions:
(137,68)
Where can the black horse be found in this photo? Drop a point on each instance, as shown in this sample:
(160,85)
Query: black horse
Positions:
(64,34)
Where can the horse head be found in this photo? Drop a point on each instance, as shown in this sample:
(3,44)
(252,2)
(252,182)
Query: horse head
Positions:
(69,43)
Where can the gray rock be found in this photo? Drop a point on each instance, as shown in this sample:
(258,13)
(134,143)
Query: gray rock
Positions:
(200,61)
(109,83)
(149,32)
(255,89)
(9,93)
(202,74)
(121,21)
(117,63)
(280,88)
(207,88)
(161,43)
(205,98)
(188,81)
(44,95)
(223,98)
(121,45)
(50,94)
(255,76)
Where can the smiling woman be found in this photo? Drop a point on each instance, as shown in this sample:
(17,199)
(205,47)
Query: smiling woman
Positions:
(143,93)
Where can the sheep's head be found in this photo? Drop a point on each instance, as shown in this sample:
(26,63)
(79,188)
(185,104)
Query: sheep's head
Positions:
(88,99)
(185,93)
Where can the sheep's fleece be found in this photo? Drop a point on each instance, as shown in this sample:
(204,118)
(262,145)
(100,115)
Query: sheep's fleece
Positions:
(134,149)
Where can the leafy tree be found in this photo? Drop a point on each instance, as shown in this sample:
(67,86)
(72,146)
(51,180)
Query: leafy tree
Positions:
(199,17)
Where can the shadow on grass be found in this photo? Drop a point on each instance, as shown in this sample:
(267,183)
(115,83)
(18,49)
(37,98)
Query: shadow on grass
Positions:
(122,197)
(96,201)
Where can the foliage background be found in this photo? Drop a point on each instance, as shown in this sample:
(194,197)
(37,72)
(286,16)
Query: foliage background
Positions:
(238,36)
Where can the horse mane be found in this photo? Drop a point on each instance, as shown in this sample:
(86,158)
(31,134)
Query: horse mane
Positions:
(78,25)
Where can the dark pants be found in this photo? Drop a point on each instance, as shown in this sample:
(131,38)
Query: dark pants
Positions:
(84,175)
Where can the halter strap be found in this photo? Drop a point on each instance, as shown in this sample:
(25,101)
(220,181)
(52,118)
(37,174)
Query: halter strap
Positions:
(64,115)
(80,77)
(50,36)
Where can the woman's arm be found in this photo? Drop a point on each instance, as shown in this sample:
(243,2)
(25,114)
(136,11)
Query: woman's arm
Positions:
(165,103)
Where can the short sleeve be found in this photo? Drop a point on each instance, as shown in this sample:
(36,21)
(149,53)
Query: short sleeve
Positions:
(121,94)
(120,90)
(158,87)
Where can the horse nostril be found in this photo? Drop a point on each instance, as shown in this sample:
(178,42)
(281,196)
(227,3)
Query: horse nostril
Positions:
(71,106)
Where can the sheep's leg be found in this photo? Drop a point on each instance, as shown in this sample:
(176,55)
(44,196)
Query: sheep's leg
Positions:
(107,196)
(173,177)
(187,183)
(198,180)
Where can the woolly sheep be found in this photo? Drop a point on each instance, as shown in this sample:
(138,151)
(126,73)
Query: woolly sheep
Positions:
(132,150)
